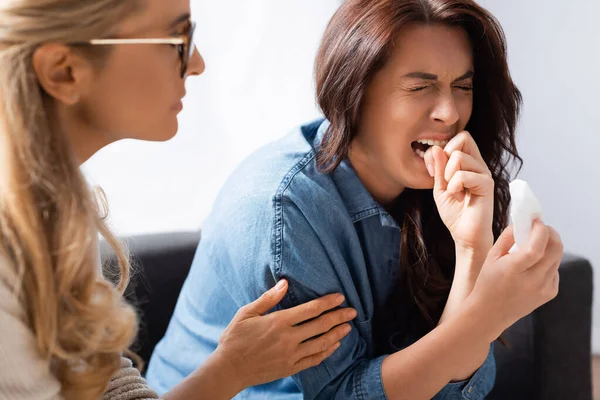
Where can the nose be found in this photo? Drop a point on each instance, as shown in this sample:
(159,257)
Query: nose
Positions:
(196,66)
(445,110)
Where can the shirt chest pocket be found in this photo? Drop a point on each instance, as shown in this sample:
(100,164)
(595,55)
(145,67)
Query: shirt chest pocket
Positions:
(365,331)
(365,328)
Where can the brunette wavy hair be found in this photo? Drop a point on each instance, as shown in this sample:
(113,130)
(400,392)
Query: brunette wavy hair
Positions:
(356,45)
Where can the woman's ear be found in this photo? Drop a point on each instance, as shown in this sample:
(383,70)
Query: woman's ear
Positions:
(62,73)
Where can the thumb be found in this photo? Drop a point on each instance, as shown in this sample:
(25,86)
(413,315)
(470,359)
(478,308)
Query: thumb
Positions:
(269,299)
(436,161)
(503,244)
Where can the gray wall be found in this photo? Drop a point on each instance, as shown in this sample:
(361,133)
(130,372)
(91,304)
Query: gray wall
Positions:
(554,51)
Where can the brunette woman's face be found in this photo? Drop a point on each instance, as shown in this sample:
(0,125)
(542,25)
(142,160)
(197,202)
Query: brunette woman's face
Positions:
(422,96)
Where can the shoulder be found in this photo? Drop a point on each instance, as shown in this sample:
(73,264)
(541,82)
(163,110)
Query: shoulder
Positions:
(277,176)
(276,198)
(262,174)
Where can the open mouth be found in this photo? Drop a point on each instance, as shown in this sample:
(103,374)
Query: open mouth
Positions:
(421,146)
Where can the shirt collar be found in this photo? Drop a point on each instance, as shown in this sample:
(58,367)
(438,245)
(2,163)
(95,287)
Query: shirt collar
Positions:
(357,199)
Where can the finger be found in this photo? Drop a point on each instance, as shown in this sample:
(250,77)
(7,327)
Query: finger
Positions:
(548,277)
(551,271)
(477,184)
(554,284)
(314,360)
(312,309)
(555,241)
(505,241)
(554,248)
(464,142)
(436,160)
(324,323)
(553,253)
(324,342)
(460,161)
(268,300)
(535,248)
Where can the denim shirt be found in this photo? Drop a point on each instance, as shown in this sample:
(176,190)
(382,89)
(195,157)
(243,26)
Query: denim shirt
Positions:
(279,217)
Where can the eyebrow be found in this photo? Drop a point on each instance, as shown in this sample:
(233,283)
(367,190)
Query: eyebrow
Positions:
(182,18)
(431,77)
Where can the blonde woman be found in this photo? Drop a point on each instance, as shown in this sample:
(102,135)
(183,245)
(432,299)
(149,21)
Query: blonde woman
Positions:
(76,75)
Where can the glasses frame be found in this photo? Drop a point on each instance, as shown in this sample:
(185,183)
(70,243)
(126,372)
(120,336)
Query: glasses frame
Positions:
(185,43)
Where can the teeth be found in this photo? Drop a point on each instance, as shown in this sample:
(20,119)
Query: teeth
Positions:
(429,142)
(420,153)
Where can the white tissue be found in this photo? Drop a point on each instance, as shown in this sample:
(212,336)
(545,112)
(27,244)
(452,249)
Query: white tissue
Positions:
(524,209)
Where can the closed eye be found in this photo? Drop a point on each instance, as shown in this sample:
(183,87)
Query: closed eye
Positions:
(417,89)
(465,88)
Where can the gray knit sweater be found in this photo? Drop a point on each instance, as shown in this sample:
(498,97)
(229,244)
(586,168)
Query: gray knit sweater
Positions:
(24,375)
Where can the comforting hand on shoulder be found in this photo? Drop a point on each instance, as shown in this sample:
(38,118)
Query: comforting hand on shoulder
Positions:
(262,348)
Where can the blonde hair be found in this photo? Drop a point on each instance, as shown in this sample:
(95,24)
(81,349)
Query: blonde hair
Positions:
(49,218)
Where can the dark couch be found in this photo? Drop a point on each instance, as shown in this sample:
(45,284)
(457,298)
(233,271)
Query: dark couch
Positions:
(548,354)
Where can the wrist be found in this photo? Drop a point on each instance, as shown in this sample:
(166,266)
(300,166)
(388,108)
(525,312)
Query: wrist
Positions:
(475,249)
(215,379)
(468,266)
(466,271)
(225,370)
(469,260)
(474,255)
(476,310)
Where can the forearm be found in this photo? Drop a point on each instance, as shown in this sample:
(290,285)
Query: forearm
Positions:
(215,380)
(453,351)
(466,271)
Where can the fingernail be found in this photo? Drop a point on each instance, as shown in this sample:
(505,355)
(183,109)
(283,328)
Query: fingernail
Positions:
(340,299)
(351,314)
(336,346)
(430,169)
(280,285)
(346,329)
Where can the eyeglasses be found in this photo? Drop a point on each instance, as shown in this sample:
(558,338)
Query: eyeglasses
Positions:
(184,43)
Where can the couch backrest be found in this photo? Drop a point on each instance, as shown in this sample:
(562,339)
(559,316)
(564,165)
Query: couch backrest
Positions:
(161,264)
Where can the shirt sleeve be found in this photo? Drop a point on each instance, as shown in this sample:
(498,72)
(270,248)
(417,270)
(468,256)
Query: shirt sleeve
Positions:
(315,265)
(314,269)
(476,388)
(128,384)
